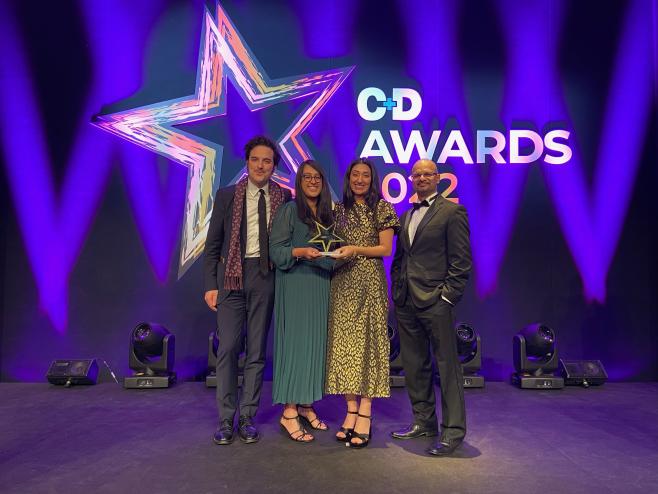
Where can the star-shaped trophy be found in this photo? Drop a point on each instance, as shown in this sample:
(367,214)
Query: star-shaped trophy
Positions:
(325,237)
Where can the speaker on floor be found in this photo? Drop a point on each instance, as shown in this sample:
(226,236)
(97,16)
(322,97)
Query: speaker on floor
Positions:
(584,373)
(73,371)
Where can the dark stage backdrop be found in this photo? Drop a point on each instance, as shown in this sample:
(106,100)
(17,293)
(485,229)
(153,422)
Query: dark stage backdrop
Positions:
(120,119)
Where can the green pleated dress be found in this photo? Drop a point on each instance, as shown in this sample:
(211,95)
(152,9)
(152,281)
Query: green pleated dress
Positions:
(301,304)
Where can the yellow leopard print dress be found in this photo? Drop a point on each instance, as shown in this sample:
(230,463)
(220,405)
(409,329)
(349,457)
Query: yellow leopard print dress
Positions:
(358,346)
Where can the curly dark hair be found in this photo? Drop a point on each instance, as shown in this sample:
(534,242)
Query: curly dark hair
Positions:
(373,196)
(262,141)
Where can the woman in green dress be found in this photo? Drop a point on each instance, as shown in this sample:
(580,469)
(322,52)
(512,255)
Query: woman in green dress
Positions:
(301,302)
(358,346)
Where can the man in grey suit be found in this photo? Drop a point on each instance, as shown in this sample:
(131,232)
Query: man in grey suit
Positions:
(430,269)
(239,285)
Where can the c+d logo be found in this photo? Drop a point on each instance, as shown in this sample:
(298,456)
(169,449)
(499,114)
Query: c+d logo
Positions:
(404,103)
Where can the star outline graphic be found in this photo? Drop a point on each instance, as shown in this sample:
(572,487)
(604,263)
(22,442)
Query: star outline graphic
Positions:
(223,55)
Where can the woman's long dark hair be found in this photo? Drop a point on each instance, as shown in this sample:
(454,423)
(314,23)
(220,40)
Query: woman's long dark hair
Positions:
(325,215)
(372,196)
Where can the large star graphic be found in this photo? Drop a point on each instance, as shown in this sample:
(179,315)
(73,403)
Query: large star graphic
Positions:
(223,55)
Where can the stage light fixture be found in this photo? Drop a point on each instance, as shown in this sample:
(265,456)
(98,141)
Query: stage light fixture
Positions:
(536,358)
(213,345)
(151,356)
(469,349)
(396,373)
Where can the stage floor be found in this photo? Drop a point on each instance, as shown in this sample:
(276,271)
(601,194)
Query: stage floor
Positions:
(106,439)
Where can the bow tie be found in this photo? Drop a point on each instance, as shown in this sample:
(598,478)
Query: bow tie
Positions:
(421,204)
(425,203)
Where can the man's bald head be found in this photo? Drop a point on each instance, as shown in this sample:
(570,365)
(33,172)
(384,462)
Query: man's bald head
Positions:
(424,164)
(425,178)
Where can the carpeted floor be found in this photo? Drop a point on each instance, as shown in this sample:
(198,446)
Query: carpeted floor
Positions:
(109,440)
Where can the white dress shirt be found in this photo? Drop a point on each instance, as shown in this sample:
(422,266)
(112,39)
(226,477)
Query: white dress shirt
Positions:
(417,216)
(251,248)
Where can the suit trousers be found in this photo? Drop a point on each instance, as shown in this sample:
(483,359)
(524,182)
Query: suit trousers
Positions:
(252,305)
(422,329)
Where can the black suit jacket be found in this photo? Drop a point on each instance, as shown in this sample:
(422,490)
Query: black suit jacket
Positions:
(438,263)
(219,237)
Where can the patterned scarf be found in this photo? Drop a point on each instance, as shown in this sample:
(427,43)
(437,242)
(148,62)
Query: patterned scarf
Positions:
(233,276)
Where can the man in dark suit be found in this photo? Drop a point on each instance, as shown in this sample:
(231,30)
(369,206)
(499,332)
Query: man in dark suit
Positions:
(430,269)
(239,285)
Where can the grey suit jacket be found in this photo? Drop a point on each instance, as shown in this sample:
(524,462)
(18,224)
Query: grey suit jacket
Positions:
(438,263)
(218,240)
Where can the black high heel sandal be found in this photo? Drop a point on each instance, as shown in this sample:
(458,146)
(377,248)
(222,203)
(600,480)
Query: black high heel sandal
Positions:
(346,431)
(316,423)
(300,438)
(365,438)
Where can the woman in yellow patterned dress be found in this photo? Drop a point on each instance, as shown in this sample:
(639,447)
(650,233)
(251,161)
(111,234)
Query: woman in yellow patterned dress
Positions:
(358,347)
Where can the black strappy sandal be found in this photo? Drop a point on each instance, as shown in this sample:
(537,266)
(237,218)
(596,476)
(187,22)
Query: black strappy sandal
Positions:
(300,438)
(316,423)
(365,438)
(346,431)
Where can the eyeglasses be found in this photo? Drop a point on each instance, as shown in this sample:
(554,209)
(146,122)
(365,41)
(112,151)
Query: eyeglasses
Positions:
(416,176)
(311,178)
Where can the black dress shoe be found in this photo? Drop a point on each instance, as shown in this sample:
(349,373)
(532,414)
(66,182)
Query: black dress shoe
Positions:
(444,448)
(247,430)
(414,431)
(224,435)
